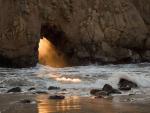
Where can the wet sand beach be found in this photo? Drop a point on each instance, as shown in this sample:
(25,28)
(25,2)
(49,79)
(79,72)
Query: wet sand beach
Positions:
(10,103)
(75,83)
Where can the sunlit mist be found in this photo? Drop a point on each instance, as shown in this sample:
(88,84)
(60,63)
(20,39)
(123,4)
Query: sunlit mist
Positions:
(64,79)
(60,78)
(49,55)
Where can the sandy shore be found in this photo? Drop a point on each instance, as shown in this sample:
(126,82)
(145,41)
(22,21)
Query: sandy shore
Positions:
(10,103)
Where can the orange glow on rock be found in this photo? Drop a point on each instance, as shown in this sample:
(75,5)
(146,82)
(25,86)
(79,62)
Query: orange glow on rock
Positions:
(49,55)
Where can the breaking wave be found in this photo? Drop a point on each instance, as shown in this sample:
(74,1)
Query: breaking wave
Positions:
(78,79)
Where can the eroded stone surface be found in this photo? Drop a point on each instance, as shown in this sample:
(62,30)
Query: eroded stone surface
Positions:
(86,31)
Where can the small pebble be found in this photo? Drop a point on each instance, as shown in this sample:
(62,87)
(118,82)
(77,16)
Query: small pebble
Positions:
(57,97)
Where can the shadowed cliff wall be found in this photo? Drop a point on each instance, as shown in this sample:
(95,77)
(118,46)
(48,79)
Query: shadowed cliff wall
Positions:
(86,31)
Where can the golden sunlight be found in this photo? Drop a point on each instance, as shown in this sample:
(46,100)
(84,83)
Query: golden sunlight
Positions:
(49,106)
(64,79)
(49,55)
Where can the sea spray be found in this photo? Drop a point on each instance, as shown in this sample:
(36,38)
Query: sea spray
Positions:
(76,80)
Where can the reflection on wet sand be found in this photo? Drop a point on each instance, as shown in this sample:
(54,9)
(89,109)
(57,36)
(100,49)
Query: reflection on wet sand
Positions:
(10,104)
(88,105)
(52,106)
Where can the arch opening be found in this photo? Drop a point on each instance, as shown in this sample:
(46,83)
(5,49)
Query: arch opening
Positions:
(49,47)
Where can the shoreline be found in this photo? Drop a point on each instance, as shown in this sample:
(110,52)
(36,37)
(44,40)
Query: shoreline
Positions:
(36,85)
(12,103)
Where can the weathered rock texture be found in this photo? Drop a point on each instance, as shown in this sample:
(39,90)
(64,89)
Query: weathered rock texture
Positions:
(86,31)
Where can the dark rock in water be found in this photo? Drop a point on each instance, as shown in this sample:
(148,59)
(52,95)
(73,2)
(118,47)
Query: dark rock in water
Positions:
(115,91)
(30,89)
(106,91)
(64,90)
(14,90)
(99,96)
(101,93)
(41,92)
(59,97)
(26,101)
(94,91)
(53,88)
(131,94)
(108,88)
(125,84)
(125,88)
(87,75)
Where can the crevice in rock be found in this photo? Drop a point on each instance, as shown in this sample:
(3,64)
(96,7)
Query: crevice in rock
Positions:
(51,46)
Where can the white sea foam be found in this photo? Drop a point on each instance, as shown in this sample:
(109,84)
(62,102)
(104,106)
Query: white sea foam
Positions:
(81,77)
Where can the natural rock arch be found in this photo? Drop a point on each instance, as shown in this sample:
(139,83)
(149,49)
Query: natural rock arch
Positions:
(51,46)
(103,31)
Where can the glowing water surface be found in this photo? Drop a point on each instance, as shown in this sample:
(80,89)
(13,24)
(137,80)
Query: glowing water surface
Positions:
(76,80)
(89,105)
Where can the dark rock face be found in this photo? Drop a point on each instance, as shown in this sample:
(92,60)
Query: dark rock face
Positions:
(86,31)
(19,33)
(14,90)
(126,84)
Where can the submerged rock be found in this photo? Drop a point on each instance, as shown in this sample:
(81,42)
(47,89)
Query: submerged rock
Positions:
(101,93)
(59,97)
(125,88)
(14,90)
(1,87)
(26,101)
(126,85)
(94,91)
(53,88)
(32,88)
(110,90)
(64,90)
(106,91)
(41,92)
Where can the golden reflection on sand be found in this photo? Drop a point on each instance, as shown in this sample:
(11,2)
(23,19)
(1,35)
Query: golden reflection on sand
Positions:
(10,104)
(85,105)
(68,104)
(53,106)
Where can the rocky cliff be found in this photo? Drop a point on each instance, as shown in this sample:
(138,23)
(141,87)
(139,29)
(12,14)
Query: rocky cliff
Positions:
(86,31)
